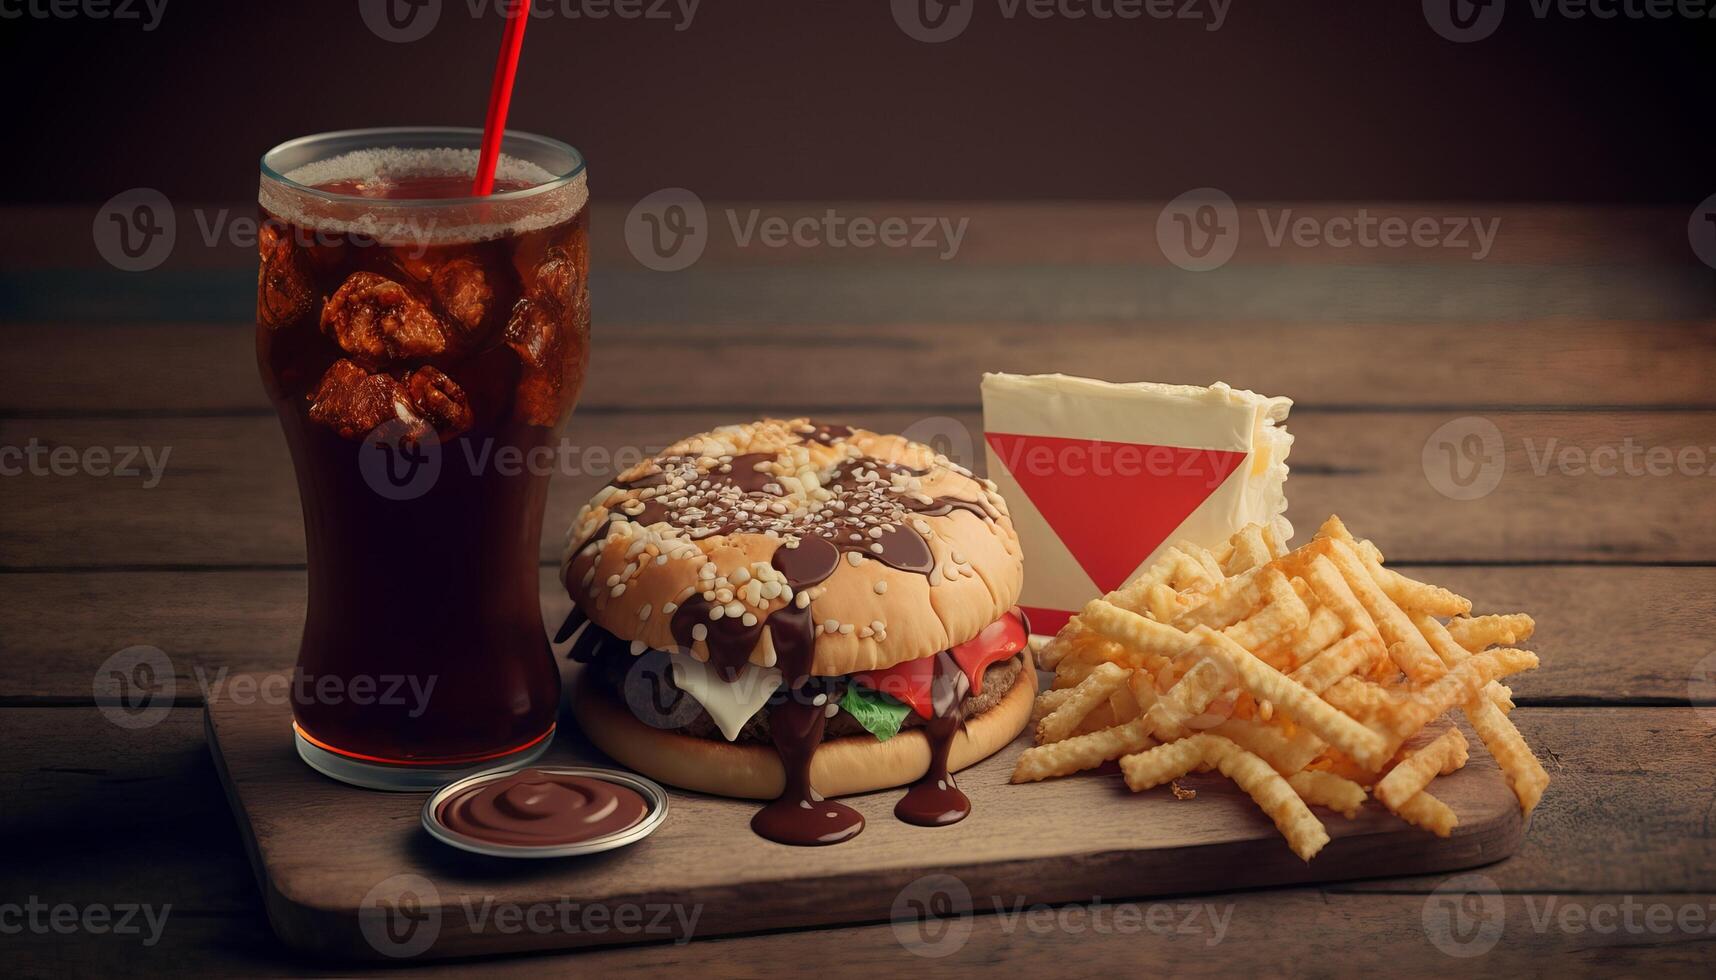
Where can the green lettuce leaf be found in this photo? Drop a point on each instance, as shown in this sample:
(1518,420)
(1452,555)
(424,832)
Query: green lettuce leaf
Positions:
(880,714)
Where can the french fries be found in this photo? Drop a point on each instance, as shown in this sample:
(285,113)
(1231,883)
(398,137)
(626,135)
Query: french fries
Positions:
(1307,677)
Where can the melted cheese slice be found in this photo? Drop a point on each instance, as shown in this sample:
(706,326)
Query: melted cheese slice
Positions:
(729,703)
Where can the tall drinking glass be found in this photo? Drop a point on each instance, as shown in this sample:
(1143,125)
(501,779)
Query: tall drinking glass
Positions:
(423,349)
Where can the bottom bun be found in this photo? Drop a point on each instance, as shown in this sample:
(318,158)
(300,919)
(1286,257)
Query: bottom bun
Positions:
(855,764)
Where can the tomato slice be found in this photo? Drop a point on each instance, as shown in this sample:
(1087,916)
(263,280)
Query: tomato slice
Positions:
(998,641)
(911,683)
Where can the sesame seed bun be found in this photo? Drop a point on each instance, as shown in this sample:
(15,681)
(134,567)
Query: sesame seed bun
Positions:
(750,770)
(681,529)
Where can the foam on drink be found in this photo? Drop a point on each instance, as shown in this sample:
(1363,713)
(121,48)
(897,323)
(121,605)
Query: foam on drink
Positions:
(377,189)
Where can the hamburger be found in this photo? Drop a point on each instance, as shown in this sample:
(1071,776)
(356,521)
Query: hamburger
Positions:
(791,611)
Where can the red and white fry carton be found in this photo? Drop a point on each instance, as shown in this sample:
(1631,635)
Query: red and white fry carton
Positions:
(1100,477)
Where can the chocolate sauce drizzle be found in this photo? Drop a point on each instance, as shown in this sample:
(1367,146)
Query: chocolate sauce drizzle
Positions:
(874,516)
(936,800)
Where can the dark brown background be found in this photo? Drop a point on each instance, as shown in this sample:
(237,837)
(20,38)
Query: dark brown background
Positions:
(820,99)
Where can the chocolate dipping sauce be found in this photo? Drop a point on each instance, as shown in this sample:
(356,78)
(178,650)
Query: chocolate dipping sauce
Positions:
(532,808)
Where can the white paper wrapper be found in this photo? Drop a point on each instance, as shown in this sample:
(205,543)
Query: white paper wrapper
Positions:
(1101,477)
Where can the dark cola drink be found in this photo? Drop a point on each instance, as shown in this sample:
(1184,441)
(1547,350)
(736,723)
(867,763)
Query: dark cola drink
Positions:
(418,344)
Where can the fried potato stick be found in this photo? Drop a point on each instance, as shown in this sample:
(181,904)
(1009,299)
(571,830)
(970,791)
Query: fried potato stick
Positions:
(1089,693)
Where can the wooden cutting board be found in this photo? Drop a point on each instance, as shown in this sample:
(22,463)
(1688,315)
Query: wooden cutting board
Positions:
(350,874)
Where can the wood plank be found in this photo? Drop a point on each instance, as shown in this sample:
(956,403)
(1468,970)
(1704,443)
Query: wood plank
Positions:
(1043,295)
(1614,634)
(318,872)
(227,495)
(78,775)
(1054,233)
(127,369)
(1266,934)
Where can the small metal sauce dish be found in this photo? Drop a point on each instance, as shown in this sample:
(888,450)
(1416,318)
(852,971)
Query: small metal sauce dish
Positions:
(653,795)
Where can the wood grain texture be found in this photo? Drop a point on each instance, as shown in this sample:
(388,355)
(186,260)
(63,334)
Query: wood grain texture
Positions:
(1052,233)
(1628,810)
(227,495)
(1612,634)
(323,850)
(116,369)
(1275,933)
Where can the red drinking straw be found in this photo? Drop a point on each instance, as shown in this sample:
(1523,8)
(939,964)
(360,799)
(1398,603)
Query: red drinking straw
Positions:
(500,96)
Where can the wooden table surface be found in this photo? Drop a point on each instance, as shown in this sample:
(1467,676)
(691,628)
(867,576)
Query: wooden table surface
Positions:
(1586,338)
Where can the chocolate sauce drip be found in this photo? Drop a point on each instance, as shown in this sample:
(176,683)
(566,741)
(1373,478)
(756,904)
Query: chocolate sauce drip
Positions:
(589,645)
(794,634)
(936,800)
(574,619)
(728,639)
(943,506)
(799,816)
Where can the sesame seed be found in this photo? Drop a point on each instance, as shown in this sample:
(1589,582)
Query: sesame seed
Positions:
(700,632)
(617,591)
(881,588)
(644,612)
